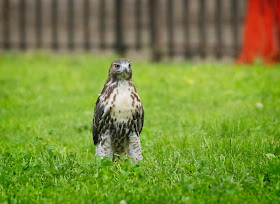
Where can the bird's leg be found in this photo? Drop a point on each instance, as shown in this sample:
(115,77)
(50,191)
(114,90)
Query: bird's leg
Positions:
(104,147)
(134,147)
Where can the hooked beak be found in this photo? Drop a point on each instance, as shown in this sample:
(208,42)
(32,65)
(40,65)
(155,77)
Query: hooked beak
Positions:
(125,70)
(123,73)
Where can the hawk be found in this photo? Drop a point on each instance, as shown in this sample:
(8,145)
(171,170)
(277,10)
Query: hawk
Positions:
(118,115)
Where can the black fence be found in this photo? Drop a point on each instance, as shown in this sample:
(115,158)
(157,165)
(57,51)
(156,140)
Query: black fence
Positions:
(160,28)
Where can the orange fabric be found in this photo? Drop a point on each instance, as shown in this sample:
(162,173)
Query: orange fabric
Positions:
(261,38)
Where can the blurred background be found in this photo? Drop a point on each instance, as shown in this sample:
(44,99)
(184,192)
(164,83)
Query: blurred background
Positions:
(150,29)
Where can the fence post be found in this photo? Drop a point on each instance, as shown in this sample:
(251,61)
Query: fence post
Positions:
(6,24)
(119,43)
(154,30)
(170,28)
(218,27)
(138,24)
(54,24)
(22,30)
(186,28)
(234,20)
(201,28)
(101,25)
(38,23)
(86,24)
(70,24)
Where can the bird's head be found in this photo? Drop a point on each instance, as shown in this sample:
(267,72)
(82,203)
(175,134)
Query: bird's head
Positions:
(121,69)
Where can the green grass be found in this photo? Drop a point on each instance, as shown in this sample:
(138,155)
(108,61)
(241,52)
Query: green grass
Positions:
(206,138)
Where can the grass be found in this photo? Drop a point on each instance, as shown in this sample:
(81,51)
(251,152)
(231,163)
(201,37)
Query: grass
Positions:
(211,133)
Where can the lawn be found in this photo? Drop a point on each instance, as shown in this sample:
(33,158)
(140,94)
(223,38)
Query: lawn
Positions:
(211,133)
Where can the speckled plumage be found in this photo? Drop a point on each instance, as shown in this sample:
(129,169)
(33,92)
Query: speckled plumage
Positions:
(118,115)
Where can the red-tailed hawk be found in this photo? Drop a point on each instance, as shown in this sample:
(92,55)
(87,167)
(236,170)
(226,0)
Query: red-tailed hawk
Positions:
(119,115)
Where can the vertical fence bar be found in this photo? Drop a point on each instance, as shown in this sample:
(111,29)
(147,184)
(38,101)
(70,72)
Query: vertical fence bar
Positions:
(70,24)
(170,28)
(218,28)
(154,36)
(234,20)
(38,23)
(102,19)
(54,18)
(86,25)
(138,24)
(152,22)
(201,28)
(22,28)
(186,28)
(119,43)
(6,24)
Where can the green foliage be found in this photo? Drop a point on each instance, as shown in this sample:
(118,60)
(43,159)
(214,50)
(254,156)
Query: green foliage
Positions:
(211,133)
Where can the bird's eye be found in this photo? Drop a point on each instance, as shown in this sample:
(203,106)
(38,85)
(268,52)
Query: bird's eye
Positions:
(117,65)
(129,65)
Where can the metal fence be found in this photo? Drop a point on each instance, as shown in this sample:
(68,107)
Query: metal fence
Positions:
(162,28)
